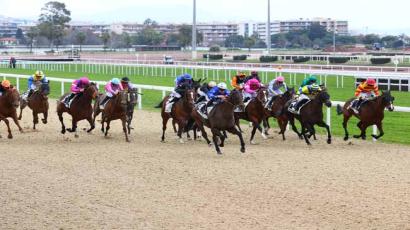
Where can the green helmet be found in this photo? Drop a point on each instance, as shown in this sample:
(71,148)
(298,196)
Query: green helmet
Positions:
(312,79)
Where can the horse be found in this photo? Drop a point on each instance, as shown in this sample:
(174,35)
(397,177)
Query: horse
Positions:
(181,112)
(132,98)
(255,113)
(371,113)
(221,118)
(80,109)
(9,102)
(116,108)
(38,103)
(277,111)
(311,114)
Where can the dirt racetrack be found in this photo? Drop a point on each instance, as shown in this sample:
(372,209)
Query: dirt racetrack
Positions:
(48,181)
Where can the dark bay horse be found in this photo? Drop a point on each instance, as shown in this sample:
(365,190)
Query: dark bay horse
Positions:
(311,114)
(221,118)
(80,109)
(115,108)
(38,103)
(371,113)
(277,111)
(181,112)
(255,113)
(9,102)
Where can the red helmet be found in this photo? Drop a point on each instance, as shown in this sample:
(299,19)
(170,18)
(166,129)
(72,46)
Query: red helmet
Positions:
(370,81)
(254,73)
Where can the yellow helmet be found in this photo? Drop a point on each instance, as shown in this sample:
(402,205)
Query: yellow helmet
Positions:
(39,74)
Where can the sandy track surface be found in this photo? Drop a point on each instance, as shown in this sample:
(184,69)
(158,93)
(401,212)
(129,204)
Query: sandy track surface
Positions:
(50,181)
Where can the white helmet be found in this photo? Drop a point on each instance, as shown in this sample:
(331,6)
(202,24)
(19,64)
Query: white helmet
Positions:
(222,85)
(211,84)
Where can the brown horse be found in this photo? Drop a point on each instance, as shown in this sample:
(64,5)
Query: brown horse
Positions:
(255,113)
(181,112)
(9,102)
(277,111)
(371,113)
(80,109)
(221,118)
(311,114)
(115,108)
(38,103)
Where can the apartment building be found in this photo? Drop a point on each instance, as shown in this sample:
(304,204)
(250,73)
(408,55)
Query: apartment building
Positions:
(216,33)
(8,29)
(340,27)
(135,28)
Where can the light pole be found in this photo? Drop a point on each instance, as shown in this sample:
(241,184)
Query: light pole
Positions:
(334,39)
(194,32)
(268,42)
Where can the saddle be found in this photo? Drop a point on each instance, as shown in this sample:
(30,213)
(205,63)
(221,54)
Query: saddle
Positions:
(356,104)
(203,110)
(295,106)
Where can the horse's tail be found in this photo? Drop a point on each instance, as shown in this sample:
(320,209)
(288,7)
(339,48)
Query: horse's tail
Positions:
(339,109)
(159,105)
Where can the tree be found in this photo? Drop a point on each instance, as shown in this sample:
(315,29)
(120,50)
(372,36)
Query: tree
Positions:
(370,39)
(279,40)
(316,31)
(105,38)
(20,35)
(150,23)
(185,36)
(53,20)
(249,42)
(172,39)
(31,34)
(127,40)
(149,36)
(234,41)
(80,38)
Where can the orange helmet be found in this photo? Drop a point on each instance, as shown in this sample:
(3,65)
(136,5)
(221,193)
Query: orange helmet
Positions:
(6,83)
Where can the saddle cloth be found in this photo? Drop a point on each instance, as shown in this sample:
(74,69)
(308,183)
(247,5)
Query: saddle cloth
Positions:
(200,108)
(293,104)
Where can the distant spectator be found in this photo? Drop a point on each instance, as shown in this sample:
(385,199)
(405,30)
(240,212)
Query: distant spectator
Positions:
(12,62)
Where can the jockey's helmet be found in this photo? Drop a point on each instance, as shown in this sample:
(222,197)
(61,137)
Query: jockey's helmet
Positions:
(187,76)
(39,74)
(222,85)
(85,80)
(6,84)
(370,81)
(241,75)
(115,81)
(125,80)
(312,79)
(211,84)
(254,73)
(280,79)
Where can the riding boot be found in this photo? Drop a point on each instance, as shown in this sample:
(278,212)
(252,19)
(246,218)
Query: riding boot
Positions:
(205,108)
(103,102)
(170,103)
(30,92)
(200,99)
(68,99)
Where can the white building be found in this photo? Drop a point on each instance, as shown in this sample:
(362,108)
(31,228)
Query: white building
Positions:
(216,33)
(260,29)
(340,27)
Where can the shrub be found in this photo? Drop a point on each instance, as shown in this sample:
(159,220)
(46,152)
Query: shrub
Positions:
(240,57)
(268,58)
(215,49)
(213,56)
(380,61)
(338,60)
(301,59)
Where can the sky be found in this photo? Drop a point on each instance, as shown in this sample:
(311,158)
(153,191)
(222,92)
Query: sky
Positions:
(371,16)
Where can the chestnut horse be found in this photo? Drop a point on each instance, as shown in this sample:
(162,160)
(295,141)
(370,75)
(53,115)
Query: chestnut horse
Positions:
(38,103)
(9,102)
(80,109)
(255,113)
(371,113)
(221,118)
(181,112)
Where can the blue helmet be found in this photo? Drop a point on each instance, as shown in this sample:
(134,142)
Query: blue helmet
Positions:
(187,76)
(115,81)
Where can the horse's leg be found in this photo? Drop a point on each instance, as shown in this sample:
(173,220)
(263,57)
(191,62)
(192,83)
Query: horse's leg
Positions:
(282,126)
(255,126)
(222,137)
(10,136)
(165,119)
(215,133)
(204,134)
(266,126)
(107,127)
(16,121)
(380,128)
(292,123)
(181,128)
(233,130)
(345,121)
(60,117)
(21,113)
(174,126)
(329,136)
(45,116)
(238,125)
(92,124)
(124,128)
(35,119)
(359,125)
(304,134)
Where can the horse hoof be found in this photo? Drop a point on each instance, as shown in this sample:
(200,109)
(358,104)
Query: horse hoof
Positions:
(128,141)
(181,141)
(10,136)
(221,145)
(210,144)
(346,138)
(329,141)
(63,131)
(356,136)
(242,150)
(219,152)
(253,143)
(76,136)
(374,136)
(264,136)
(44,121)
(301,137)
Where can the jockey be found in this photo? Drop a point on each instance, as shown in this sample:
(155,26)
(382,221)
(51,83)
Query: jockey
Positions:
(254,75)
(203,91)
(33,83)
(126,84)
(250,89)
(77,87)
(308,81)
(274,89)
(181,83)
(305,94)
(5,85)
(365,91)
(216,94)
(112,88)
(238,81)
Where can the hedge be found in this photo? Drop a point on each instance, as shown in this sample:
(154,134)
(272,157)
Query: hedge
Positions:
(240,57)
(268,58)
(301,59)
(380,61)
(213,56)
(338,60)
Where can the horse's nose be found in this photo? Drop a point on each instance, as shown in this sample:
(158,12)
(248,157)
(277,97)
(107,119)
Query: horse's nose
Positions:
(391,107)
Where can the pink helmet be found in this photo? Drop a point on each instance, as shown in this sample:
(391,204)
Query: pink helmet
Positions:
(85,80)
(280,79)
(370,81)
(254,84)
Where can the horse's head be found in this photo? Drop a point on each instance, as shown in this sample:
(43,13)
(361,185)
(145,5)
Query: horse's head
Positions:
(91,90)
(123,98)
(262,95)
(13,97)
(324,98)
(196,84)
(236,98)
(388,100)
(290,93)
(133,96)
(45,89)
(190,96)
